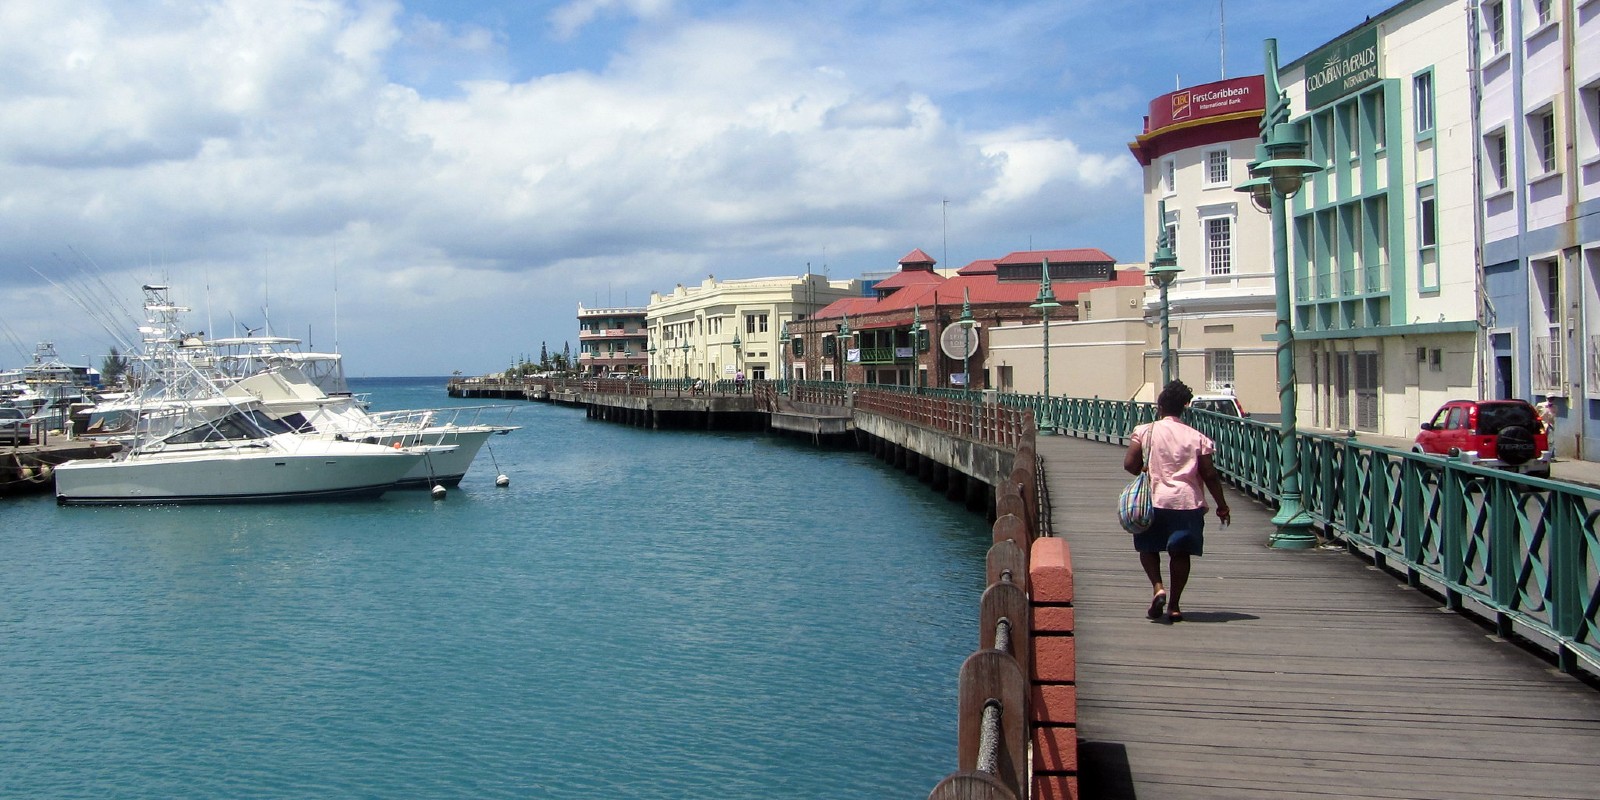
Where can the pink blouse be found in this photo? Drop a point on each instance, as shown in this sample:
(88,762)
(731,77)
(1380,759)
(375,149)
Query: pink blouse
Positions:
(1172,452)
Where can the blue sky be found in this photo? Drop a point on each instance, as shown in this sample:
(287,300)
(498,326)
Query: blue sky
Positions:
(441,182)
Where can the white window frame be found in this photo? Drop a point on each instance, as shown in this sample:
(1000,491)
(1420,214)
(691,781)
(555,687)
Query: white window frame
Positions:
(1211,252)
(1220,369)
(1494,26)
(1422,97)
(1543,11)
(1214,159)
(1544,140)
(1169,177)
(1497,160)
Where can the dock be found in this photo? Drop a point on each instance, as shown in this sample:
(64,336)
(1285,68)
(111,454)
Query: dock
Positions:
(30,468)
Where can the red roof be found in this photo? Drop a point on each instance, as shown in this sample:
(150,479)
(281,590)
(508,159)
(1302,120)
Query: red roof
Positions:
(908,278)
(983,266)
(1092,255)
(918,257)
(984,289)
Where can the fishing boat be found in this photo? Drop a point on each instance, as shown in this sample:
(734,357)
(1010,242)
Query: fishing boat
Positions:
(237,454)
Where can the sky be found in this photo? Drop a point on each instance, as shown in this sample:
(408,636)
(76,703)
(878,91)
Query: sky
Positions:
(430,186)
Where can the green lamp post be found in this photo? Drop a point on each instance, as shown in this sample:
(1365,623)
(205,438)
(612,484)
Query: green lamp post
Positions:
(1276,175)
(1163,270)
(967,323)
(685,378)
(737,349)
(844,347)
(650,362)
(783,342)
(918,331)
(1044,305)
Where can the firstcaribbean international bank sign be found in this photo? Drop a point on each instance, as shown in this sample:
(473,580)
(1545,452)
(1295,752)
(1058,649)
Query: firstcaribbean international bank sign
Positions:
(1342,67)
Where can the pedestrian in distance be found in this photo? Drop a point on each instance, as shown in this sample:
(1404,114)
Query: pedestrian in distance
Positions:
(1178,459)
(738,382)
(1547,416)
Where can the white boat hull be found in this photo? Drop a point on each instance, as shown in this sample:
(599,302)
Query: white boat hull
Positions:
(338,471)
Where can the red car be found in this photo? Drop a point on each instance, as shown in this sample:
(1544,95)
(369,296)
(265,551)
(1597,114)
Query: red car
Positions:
(1505,434)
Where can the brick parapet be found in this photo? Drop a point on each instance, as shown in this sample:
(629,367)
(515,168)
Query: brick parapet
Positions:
(1053,705)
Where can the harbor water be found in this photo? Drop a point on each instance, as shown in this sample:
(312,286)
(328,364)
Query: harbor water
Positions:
(640,614)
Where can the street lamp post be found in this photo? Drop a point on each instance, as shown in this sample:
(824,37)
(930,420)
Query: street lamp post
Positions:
(738,387)
(685,377)
(1163,270)
(967,323)
(843,349)
(1044,305)
(1278,172)
(650,363)
(918,330)
(783,342)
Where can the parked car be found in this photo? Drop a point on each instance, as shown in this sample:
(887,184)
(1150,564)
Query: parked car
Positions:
(14,426)
(1219,403)
(1505,434)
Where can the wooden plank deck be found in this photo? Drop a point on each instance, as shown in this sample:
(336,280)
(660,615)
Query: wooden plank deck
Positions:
(1297,674)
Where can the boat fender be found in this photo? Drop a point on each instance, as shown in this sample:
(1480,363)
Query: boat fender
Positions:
(502,481)
(43,473)
(438,492)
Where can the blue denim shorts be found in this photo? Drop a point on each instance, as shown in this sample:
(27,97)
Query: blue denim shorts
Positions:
(1174,531)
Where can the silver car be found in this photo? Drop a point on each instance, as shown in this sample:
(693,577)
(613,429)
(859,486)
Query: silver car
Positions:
(14,426)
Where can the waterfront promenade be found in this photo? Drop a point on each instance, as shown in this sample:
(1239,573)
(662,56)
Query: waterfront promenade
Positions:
(1305,673)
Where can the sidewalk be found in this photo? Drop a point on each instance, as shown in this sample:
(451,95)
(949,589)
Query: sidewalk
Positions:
(1297,673)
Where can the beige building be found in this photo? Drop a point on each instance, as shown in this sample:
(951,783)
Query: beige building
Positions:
(719,328)
(1100,354)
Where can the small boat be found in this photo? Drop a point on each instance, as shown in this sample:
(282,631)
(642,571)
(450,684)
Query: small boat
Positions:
(240,455)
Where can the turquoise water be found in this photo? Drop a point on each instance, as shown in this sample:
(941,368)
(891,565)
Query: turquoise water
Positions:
(641,614)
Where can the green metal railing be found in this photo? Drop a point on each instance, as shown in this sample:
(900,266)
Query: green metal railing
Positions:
(1526,549)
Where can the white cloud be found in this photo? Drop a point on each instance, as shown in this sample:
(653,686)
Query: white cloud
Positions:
(256,147)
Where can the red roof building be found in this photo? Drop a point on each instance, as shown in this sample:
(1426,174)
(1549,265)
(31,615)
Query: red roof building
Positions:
(871,339)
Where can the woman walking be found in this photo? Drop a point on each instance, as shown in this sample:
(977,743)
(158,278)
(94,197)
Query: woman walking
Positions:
(1178,459)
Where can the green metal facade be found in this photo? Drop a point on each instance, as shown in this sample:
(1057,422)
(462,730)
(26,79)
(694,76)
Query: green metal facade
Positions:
(1351,247)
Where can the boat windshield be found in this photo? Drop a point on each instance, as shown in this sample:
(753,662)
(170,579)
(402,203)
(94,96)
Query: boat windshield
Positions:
(237,426)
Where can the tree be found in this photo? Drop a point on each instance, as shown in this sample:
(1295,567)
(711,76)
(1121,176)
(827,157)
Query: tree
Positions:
(113,367)
(544,356)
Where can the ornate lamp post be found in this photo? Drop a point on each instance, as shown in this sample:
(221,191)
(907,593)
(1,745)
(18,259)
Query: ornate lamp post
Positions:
(685,351)
(1044,305)
(967,323)
(783,342)
(650,361)
(918,331)
(844,349)
(1275,176)
(737,350)
(1163,270)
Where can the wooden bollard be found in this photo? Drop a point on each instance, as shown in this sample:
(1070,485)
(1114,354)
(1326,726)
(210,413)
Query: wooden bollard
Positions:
(1008,500)
(1006,601)
(1007,556)
(992,674)
(1010,526)
(971,786)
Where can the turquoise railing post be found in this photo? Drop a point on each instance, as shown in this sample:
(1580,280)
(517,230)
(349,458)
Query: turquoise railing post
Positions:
(1411,518)
(1503,559)
(1566,577)
(1452,533)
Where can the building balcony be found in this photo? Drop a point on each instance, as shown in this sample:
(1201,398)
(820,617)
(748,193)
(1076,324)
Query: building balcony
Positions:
(613,333)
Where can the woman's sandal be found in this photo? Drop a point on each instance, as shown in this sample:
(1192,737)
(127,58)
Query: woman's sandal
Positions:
(1176,616)
(1157,605)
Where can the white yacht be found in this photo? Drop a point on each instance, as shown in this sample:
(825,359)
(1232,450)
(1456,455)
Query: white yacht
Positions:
(238,454)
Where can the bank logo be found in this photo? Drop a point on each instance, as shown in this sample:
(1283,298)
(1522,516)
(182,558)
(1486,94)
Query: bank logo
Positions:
(1182,106)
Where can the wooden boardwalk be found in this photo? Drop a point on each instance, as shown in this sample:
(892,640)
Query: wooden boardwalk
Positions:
(1297,674)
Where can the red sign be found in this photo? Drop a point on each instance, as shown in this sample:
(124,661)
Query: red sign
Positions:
(1208,100)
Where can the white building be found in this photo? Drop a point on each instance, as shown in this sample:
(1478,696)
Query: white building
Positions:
(1194,148)
(692,330)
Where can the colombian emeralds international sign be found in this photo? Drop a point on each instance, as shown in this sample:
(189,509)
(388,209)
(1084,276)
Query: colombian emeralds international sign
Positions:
(1342,67)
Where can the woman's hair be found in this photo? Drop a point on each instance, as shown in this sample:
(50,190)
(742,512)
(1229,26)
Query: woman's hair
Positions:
(1174,398)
